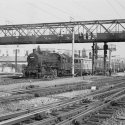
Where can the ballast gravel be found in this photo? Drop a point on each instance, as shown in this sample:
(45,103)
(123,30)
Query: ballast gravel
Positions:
(39,101)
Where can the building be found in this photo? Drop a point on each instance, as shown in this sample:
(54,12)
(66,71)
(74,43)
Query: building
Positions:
(117,63)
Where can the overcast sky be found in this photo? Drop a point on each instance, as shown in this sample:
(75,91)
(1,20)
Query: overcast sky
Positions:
(43,11)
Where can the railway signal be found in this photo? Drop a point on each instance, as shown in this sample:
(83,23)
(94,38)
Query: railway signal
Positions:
(105,55)
(96,51)
(94,56)
(105,49)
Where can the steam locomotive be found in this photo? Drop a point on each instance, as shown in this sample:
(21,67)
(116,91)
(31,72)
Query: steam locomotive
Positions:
(47,64)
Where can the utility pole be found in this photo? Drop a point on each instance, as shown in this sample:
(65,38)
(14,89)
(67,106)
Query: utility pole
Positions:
(73,41)
(93,58)
(16,60)
(16,51)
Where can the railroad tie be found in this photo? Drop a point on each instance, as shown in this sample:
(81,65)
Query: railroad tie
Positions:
(105,112)
(102,116)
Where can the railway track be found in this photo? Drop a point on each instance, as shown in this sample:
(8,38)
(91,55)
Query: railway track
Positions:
(33,91)
(97,115)
(40,92)
(95,95)
(44,112)
(62,117)
(60,112)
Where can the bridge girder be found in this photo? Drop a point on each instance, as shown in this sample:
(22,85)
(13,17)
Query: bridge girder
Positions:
(61,32)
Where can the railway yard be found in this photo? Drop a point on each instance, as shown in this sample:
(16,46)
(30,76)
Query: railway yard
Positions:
(92,100)
(62,62)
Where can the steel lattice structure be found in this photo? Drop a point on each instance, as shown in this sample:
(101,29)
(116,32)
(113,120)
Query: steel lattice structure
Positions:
(61,32)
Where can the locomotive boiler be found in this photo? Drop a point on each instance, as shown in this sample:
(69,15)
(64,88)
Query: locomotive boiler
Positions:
(47,64)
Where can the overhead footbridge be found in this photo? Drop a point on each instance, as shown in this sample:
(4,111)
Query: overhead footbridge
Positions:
(61,32)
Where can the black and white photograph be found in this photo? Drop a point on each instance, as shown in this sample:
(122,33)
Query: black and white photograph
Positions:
(62,62)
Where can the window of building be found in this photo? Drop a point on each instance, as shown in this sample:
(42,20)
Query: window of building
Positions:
(76,61)
(26,53)
(18,51)
(7,53)
(14,51)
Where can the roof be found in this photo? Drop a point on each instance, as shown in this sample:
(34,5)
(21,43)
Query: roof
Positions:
(12,59)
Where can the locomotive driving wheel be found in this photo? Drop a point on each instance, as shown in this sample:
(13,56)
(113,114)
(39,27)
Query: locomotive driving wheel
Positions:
(55,73)
(48,77)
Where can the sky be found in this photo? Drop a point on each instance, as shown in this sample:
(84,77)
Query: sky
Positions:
(47,11)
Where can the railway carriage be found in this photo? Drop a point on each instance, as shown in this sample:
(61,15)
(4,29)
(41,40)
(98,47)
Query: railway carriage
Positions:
(83,66)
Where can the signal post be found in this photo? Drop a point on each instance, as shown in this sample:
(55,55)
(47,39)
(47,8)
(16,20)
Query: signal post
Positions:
(105,56)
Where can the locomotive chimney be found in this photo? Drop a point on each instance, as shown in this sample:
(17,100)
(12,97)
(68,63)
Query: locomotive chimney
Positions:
(34,50)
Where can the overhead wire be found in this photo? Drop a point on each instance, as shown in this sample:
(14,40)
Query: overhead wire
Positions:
(68,13)
(78,6)
(43,10)
(54,7)
(121,5)
(113,8)
(12,19)
(9,19)
(93,12)
(61,10)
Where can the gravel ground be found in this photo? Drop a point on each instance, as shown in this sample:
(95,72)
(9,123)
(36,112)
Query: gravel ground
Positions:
(37,102)
(116,118)
(85,79)
(72,94)
(17,86)
(3,94)
(25,104)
